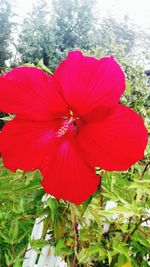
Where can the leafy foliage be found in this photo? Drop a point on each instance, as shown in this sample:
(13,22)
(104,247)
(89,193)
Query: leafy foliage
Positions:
(125,239)
(20,201)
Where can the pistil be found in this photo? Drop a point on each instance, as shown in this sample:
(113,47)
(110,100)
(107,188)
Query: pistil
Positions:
(65,127)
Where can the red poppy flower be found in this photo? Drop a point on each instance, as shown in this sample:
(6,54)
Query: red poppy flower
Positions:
(69,123)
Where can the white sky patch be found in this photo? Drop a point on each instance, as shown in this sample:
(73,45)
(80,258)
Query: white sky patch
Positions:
(137,10)
(23,7)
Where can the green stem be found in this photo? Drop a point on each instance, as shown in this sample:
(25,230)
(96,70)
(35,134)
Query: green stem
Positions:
(75,225)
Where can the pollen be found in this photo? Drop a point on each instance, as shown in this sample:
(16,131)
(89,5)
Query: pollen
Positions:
(62,131)
(66,125)
(71,113)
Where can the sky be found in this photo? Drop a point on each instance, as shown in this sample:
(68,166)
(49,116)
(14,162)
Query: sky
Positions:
(137,10)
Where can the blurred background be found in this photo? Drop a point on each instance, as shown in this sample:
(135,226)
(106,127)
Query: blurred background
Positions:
(34,29)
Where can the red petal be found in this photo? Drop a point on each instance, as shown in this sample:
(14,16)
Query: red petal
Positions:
(67,176)
(115,142)
(87,82)
(29,92)
(26,145)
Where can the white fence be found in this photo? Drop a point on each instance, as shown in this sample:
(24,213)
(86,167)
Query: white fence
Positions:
(47,257)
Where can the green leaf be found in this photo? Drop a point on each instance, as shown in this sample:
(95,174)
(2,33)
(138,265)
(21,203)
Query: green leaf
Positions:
(59,246)
(33,185)
(84,257)
(7,118)
(29,65)
(13,232)
(43,67)
(95,248)
(58,227)
(37,244)
(96,216)
(122,259)
(19,208)
(5,237)
(20,238)
(126,212)
(141,239)
(17,263)
(124,227)
(121,248)
(109,257)
(128,88)
(53,204)
(9,258)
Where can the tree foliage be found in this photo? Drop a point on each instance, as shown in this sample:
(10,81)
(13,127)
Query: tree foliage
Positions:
(48,35)
(5,30)
(120,32)
(73,23)
(36,38)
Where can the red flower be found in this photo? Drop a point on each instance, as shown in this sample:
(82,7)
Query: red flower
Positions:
(67,124)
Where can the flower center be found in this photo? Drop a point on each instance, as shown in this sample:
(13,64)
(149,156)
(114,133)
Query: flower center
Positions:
(66,125)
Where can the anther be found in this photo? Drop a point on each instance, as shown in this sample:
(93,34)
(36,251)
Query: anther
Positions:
(62,131)
(64,128)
